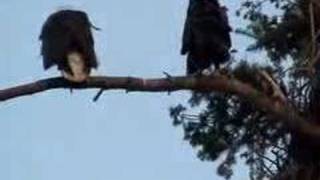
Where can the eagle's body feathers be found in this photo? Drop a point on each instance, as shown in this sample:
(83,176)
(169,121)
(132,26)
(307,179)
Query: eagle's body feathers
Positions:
(67,42)
(206,36)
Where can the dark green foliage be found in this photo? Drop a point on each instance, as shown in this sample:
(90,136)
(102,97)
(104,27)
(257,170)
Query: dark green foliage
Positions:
(281,36)
(227,124)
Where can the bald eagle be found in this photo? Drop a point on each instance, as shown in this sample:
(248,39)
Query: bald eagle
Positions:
(206,36)
(67,42)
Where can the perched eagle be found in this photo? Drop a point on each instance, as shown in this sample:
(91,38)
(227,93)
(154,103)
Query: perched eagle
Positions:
(206,37)
(67,42)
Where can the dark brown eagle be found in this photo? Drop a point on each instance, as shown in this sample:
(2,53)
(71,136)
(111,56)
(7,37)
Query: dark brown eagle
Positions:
(206,37)
(67,42)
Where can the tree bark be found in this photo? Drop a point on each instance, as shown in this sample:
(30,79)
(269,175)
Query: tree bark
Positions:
(219,83)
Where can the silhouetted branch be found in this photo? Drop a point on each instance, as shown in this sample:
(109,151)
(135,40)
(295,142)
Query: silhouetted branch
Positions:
(218,83)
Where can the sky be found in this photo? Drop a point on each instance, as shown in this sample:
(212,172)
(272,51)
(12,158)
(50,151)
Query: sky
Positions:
(58,135)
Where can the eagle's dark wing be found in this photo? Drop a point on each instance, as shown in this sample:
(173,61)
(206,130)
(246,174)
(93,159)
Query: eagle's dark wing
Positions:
(186,38)
(225,26)
(54,37)
(83,35)
(187,35)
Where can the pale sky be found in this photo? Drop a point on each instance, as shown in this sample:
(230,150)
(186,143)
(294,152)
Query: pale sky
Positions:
(57,135)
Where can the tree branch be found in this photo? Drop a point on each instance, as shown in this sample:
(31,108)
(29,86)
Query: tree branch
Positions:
(219,83)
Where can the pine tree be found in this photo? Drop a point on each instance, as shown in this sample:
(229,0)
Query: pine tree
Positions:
(230,124)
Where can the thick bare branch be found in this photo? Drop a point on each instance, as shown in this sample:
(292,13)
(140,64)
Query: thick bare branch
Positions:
(218,83)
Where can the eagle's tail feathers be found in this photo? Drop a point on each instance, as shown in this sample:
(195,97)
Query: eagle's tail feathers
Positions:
(77,67)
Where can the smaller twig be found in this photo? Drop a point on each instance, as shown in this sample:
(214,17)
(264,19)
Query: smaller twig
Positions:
(97,96)
(277,92)
(294,69)
(268,170)
(168,76)
(190,119)
(95,27)
(269,160)
(279,148)
(129,82)
(191,115)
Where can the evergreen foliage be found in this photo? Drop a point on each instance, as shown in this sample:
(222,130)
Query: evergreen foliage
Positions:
(234,127)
